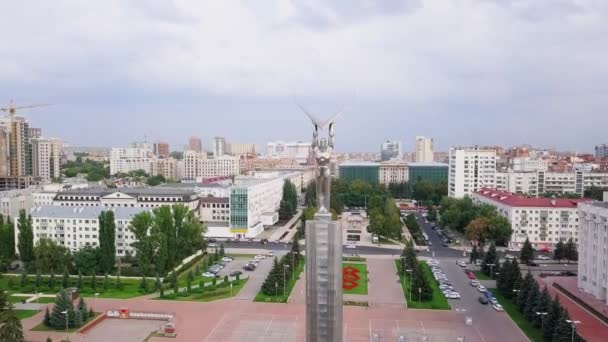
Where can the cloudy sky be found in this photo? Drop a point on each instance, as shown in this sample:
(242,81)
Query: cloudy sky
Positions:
(462,71)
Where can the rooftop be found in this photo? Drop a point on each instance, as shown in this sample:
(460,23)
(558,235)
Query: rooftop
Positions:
(360,163)
(428,164)
(56,211)
(514,200)
(135,191)
(600,204)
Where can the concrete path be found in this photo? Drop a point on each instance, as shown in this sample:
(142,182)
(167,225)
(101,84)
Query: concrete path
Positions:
(383,285)
(256,279)
(287,227)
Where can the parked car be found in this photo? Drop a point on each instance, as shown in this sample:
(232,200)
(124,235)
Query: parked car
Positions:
(254,262)
(474,283)
(532,264)
(351,246)
(497,307)
(471,275)
(481,288)
(454,295)
(462,263)
(212,245)
(270,253)
(509,257)
(208,275)
(211,240)
(483,300)
(259,257)
(543,257)
(478,262)
(494,301)
(249,267)
(227,259)
(235,273)
(545,249)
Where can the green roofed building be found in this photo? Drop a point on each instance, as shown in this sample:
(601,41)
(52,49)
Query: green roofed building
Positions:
(429,171)
(366,171)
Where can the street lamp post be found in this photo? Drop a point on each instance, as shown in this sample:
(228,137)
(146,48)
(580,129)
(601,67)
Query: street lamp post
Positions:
(66,323)
(573,324)
(95,302)
(542,318)
(419,294)
(285,267)
(230,289)
(410,272)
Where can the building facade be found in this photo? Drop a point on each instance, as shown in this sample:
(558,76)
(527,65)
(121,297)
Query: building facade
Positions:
(254,203)
(166,167)
(78,227)
(433,172)
(424,150)
(239,149)
(46,157)
(393,172)
(12,201)
(601,151)
(390,150)
(544,221)
(219,146)
(298,150)
(470,169)
(592,249)
(161,149)
(527,164)
(127,159)
(152,197)
(366,171)
(195,144)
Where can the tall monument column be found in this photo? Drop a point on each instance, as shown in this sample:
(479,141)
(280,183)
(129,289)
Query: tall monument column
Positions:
(323,250)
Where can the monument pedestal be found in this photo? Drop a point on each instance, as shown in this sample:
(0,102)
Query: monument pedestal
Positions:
(323,279)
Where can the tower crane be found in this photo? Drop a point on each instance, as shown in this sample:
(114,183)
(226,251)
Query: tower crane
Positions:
(11,109)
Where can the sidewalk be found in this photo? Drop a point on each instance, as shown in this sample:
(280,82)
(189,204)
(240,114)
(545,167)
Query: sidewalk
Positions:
(287,227)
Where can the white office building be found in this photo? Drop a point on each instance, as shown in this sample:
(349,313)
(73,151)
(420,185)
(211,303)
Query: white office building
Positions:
(470,169)
(77,227)
(198,166)
(527,164)
(544,221)
(299,150)
(541,182)
(393,172)
(593,249)
(46,157)
(424,149)
(12,201)
(126,159)
(127,197)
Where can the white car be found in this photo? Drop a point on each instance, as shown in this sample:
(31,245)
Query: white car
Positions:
(543,257)
(474,283)
(227,259)
(493,300)
(259,257)
(350,246)
(208,275)
(454,295)
(509,257)
(514,249)
(462,264)
(497,307)
(481,288)
(270,253)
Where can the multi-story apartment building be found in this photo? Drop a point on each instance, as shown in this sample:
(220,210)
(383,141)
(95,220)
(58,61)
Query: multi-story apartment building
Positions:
(12,201)
(544,221)
(195,144)
(298,150)
(390,150)
(601,151)
(126,197)
(17,131)
(135,157)
(393,172)
(593,249)
(198,166)
(4,157)
(527,164)
(541,182)
(46,157)
(239,149)
(424,149)
(166,167)
(78,227)
(161,149)
(471,168)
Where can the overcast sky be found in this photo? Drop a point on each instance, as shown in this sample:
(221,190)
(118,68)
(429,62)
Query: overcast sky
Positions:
(465,72)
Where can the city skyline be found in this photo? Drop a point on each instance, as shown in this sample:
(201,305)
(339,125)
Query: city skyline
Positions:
(169,71)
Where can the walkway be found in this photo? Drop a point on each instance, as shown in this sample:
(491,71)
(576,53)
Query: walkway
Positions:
(383,286)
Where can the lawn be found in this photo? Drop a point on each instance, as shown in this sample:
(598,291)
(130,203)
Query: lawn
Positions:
(208,295)
(23,314)
(42,327)
(533,333)
(261,297)
(439,302)
(481,276)
(361,283)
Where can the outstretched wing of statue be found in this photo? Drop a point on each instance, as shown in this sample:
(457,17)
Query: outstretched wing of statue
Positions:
(330,120)
(314,120)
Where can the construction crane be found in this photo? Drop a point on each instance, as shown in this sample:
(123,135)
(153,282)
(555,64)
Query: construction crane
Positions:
(11,109)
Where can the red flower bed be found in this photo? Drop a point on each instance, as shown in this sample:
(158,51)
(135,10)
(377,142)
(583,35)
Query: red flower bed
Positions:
(350,278)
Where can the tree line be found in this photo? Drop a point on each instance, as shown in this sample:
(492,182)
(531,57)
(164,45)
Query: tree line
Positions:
(282,270)
(10,325)
(478,222)
(536,305)
(289,201)
(411,265)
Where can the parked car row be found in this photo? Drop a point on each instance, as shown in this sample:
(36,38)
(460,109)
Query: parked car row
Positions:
(446,287)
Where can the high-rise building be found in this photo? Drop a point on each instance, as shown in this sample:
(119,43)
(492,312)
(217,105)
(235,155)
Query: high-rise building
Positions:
(46,157)
(35,133)
(471,168)
(4,159)
(219,146)
(135,157)
(240,149)
(601,151)
(161,149)
(19,147)
(166,167)
(424,150)
(390,150)
(195,144)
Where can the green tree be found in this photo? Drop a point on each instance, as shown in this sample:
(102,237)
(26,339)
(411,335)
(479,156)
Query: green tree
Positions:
(531,303)
(570,251)
(595,193)
(7,239)
(310,198)
(542,305)
(82,308)
(474,255)
(524,289)
(156,180)
(107,243)
(50,256)
(52,280)
(222,251)
(289,201)
(477,230)
(145,244)
(62,303)
(10,327)
(490,261)
(47,317)
(563,329)
(559,252)
(26,237)
(499,229)
(552,319)
(65,280)
(87,259)
(526,255)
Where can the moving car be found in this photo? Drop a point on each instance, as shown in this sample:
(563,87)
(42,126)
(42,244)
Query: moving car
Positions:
(483,300)
(351,246)
(509,257)
(471,275)
(453,295)
(497,307)
(259,257)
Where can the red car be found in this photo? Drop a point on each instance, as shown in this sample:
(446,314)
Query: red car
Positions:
(471,275)
(545,249)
